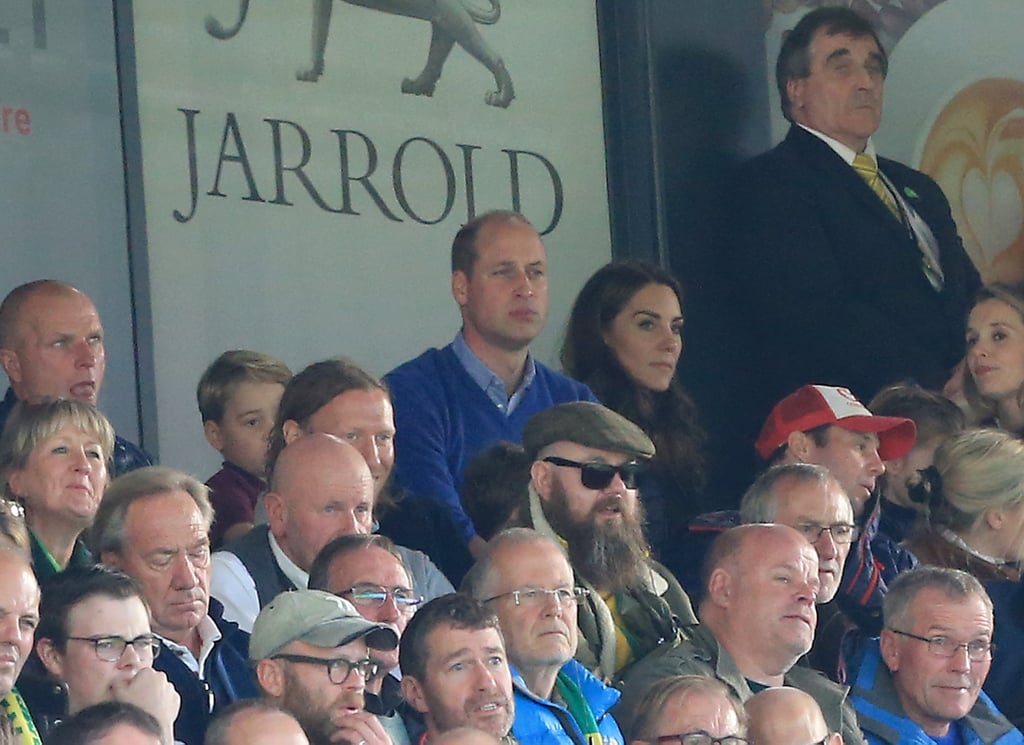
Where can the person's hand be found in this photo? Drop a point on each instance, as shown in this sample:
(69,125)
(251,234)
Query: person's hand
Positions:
(360,728)
(152,692)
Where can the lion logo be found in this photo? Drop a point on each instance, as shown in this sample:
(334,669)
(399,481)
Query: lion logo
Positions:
(451,22)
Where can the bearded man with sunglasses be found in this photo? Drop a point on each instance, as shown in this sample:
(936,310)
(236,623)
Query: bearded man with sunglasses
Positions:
(583,492)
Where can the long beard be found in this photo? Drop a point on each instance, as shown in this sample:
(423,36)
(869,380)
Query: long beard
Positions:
(612,556)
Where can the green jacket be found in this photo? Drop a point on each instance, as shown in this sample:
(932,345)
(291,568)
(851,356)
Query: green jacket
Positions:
(699,653)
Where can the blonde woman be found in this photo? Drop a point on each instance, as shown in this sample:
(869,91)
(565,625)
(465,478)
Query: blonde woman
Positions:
(53,460)
(973,498)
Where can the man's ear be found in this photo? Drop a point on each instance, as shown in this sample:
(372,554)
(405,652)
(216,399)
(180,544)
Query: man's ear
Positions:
(11,364)
(111,559)
(720,588)
(889,646)
(291,431)
(799,444)
(541,475)
(795,94)
(51,657)
(412,691)
(270,676)
(460,287)
(212,431)
(276,509)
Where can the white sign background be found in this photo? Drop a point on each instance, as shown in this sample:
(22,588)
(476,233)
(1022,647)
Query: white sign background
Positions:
(304,283)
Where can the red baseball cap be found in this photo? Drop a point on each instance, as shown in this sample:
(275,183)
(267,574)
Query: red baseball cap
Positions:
(814,405)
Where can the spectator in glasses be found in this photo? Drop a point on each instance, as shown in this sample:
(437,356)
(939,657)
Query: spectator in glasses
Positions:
(525,578)
(95,641)
(311,653)
(689,710)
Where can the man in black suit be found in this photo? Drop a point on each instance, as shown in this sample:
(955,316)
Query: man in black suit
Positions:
(844,276)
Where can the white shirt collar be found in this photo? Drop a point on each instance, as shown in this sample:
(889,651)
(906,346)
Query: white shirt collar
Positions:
(291,570)
(843,151)
(208,635)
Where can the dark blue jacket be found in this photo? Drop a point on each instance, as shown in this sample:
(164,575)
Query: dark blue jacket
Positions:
(1006,676)
(229,678)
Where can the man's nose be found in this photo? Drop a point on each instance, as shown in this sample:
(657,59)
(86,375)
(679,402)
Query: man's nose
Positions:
(85,354)
(184,576)
(826,545)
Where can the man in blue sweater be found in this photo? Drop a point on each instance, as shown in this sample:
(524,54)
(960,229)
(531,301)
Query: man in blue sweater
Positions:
(525,577)
(453,402)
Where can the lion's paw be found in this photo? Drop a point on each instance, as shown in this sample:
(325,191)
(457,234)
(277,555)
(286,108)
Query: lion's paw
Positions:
(418,86)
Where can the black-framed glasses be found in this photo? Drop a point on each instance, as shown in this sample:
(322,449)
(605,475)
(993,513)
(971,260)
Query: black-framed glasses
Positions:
(699,738)
(533,597)
(840,532)
(599,475)
(374,596)
(111,648)
(338,669)
(978,650)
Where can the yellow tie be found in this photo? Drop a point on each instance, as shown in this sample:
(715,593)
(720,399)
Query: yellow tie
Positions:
(866,167)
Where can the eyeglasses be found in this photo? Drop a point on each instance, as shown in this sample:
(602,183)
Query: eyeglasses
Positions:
(374,596)
(700,738)
(599,475)
(536,597)
(111,648)
(840,532)
(978,650)
(338,669)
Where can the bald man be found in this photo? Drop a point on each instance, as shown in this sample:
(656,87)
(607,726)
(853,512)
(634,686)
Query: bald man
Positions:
(320,488)
(757,619)
(51,346)
(784,716)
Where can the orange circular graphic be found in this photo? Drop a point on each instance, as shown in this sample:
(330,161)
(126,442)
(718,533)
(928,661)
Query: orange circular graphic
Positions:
(975,150)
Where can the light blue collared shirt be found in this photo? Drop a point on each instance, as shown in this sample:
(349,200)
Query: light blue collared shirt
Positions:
(488,380)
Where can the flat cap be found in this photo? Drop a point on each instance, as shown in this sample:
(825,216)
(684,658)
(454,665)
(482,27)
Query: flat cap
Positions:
(589,424)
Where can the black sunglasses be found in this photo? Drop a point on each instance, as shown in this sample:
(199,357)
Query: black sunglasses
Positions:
(599,475)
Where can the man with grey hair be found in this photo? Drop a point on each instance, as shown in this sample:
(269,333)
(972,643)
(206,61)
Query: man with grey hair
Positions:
(583,491)
(921,680)
(526,579)
(153,524)
(809,499)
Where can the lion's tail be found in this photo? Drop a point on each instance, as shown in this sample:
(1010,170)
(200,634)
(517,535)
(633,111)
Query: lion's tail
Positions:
(217,30)
(485,17)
